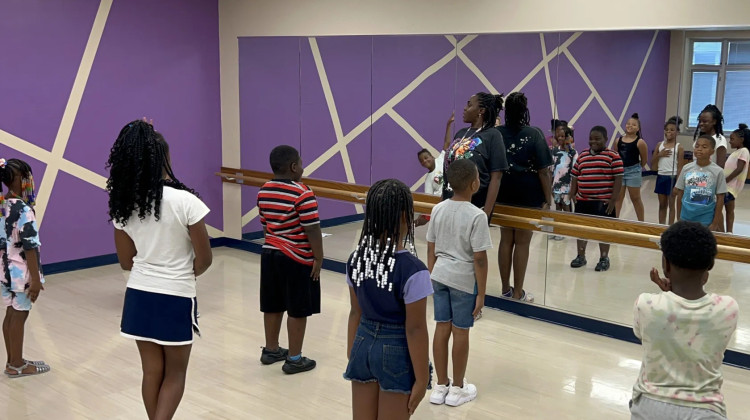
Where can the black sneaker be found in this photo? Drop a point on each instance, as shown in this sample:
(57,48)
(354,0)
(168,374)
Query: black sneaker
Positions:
(603,264)
(302,365)
(580,261)
(268,357)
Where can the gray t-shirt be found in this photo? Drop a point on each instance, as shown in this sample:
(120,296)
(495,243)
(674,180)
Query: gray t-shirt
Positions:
(458,229)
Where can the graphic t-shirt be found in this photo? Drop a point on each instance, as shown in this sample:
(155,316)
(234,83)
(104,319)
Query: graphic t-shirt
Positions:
(736,185)
(700,185)
(433,181)
(564,161)
(19,234)
(485,149)
(527,154)
(683,348)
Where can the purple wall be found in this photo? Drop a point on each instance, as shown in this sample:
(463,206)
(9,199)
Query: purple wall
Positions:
(282,99)
(156,58)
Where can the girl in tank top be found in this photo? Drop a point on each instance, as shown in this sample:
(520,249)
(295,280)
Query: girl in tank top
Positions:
(668,160)
(634,153)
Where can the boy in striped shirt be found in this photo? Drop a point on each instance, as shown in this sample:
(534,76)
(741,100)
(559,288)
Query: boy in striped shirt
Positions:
(291,259)
(597,179)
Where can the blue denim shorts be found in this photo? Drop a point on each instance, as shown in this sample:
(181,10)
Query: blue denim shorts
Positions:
(633,176)
(453,305)
(380,354)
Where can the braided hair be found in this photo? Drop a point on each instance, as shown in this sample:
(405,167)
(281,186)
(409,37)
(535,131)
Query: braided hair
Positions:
(744,133)
(11,169)
(388,202)
(138,163)
(716,115)
(492,105)
(517,111)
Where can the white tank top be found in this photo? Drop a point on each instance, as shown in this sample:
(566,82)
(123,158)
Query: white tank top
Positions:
(668,165)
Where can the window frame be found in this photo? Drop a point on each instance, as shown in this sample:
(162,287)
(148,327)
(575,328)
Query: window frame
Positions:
(721,69)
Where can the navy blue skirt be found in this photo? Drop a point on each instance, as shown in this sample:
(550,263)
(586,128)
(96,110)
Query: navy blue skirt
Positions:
(163,319)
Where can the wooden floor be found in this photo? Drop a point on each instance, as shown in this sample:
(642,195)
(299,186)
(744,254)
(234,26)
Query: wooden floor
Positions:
(524,369)
(608,296)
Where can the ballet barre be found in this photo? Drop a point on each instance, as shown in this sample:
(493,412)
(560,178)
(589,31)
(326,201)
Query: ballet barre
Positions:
(623,232)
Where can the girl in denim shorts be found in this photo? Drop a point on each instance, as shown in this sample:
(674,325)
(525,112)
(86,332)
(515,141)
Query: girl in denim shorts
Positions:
(387,341)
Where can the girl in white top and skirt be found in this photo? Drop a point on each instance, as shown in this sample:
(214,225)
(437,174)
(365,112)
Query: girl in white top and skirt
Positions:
(668,159)
(162,240)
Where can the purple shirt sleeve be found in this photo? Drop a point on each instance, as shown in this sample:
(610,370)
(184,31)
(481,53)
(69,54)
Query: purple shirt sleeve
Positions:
(417,287)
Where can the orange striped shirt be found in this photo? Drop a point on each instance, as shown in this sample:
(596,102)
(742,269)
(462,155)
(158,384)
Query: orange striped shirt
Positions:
(285,207)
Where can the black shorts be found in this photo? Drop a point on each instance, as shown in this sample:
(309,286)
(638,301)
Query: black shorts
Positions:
(286,286)
(594,208)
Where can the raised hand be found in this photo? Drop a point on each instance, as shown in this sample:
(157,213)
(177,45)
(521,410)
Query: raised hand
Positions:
(663,283)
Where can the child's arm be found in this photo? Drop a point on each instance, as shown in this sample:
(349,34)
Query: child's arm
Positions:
(678,202)
(681,161)
(125,249)
(431,257)
(643,149)
(615,193)
(355,314)
(655,157)
(315,235)
(546,180)
(573,189)
(201,247)
(735,173)
(721,156)
(32,262)
(480,272)
(717,225)
(418,341)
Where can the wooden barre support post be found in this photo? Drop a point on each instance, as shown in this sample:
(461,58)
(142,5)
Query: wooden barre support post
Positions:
(622,232)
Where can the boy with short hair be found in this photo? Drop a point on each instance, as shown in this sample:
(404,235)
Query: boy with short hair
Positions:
(701,187)
(597,180)
(291,259)
(684,330)
(458,238)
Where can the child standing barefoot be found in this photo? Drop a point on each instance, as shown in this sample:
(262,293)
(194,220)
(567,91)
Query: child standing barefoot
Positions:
(387,342)
(19,251)
(161,239)
(685,332)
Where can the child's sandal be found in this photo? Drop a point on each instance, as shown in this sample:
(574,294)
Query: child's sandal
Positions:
(19,370)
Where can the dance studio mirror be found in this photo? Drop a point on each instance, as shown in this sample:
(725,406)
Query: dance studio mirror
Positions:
(360,108)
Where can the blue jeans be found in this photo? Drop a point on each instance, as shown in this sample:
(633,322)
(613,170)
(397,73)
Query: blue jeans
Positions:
(453,305)
(380,354)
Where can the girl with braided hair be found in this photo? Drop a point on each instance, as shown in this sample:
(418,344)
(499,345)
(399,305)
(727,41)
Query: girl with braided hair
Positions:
(22,277)
(482,143)
(387,330)
(526,183)
(161,238)
(710,122)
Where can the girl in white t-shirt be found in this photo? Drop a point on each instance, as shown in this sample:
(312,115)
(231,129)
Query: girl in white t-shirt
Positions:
(710,121)
(162,240)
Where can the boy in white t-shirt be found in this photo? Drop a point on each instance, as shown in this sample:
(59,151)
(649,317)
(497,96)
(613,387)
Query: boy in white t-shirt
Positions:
(684,330)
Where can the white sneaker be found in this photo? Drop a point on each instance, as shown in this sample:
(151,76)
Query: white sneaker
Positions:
(439,393)
(458,396)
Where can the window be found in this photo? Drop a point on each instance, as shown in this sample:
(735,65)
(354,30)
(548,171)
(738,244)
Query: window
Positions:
(719,73)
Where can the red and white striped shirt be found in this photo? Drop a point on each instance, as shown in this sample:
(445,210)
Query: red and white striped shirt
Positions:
(596,174)
(285,207)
